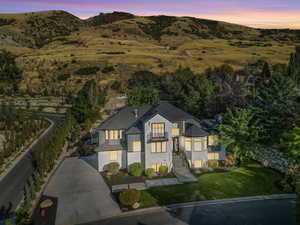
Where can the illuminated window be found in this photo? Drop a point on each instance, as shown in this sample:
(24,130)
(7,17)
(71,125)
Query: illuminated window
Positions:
(175,131)
(213,140)
(199,144)
(213,156)
(136,146)
(159,147)
(113,134)
(198,163)
(188,144)
(158,129)
(113,156)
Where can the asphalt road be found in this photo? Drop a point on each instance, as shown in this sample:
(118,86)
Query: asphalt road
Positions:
(267,212)
(12,185)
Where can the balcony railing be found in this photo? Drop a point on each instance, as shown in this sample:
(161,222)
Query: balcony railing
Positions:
(113,142)
(158,136)
(216,148)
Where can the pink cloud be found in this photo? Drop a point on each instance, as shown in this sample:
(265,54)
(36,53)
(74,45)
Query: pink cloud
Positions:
(259,19)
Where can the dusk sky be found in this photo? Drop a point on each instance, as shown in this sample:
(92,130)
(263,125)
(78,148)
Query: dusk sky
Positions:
(255,13)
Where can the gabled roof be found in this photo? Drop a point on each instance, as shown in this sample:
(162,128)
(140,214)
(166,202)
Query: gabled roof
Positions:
(170,112)
(125,119)
(195,131)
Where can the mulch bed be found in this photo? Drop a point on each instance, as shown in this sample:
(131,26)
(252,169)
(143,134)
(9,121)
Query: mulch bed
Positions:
(124,178)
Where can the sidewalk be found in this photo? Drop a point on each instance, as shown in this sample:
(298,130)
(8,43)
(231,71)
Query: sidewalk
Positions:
(233,200)
(17,160)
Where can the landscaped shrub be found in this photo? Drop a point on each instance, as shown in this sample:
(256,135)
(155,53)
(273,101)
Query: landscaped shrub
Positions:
(163,171)
(150,172)
(87,70)
(136,169)
(213,163)
(129,197)
(113,167)
(229,161)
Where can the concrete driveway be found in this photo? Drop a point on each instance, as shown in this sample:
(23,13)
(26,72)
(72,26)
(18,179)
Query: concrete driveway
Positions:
(82,194)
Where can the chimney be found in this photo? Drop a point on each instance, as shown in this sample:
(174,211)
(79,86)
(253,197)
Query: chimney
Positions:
(136,113)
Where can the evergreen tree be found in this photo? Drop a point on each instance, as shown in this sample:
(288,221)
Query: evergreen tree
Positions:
(274,104)
(292,140)
(294,66)
(140,96)
(240,133)
(86,104)
(189,91)
(10,74)
(266,73)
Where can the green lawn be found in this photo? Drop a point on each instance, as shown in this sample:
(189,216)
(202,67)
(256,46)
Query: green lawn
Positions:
(248,180)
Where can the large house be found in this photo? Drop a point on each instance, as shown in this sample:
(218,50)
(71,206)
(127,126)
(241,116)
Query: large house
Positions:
(154,136)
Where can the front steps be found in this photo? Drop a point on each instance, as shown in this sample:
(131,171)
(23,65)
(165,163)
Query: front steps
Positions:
(181,170)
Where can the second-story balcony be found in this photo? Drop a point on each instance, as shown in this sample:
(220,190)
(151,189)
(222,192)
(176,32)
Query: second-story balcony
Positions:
(214,148)
(158,136)
(113,142)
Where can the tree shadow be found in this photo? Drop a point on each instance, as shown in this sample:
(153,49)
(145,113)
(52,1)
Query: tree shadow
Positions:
(6,211)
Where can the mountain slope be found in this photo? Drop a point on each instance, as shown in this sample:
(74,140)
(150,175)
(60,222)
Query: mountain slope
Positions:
(53,45)
(36,29)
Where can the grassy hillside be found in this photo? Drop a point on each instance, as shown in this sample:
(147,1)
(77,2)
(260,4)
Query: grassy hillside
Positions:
(52,45)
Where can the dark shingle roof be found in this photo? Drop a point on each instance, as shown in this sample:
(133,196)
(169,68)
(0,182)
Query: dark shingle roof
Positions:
(170,112)
(125,118)
(195,131)
(210,125)
(135,128)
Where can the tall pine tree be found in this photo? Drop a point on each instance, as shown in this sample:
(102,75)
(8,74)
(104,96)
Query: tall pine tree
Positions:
(294,66)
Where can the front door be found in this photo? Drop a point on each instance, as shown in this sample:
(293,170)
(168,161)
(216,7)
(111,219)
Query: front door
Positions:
(175,144)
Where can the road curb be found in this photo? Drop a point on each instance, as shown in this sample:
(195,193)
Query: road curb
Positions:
(20,157)
(201,203)
(234,200)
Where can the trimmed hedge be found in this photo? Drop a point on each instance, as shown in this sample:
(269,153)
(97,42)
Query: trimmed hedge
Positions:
(113,167)
(213,163)
(163,171)
(136,169)
(129,197)
(150,172)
